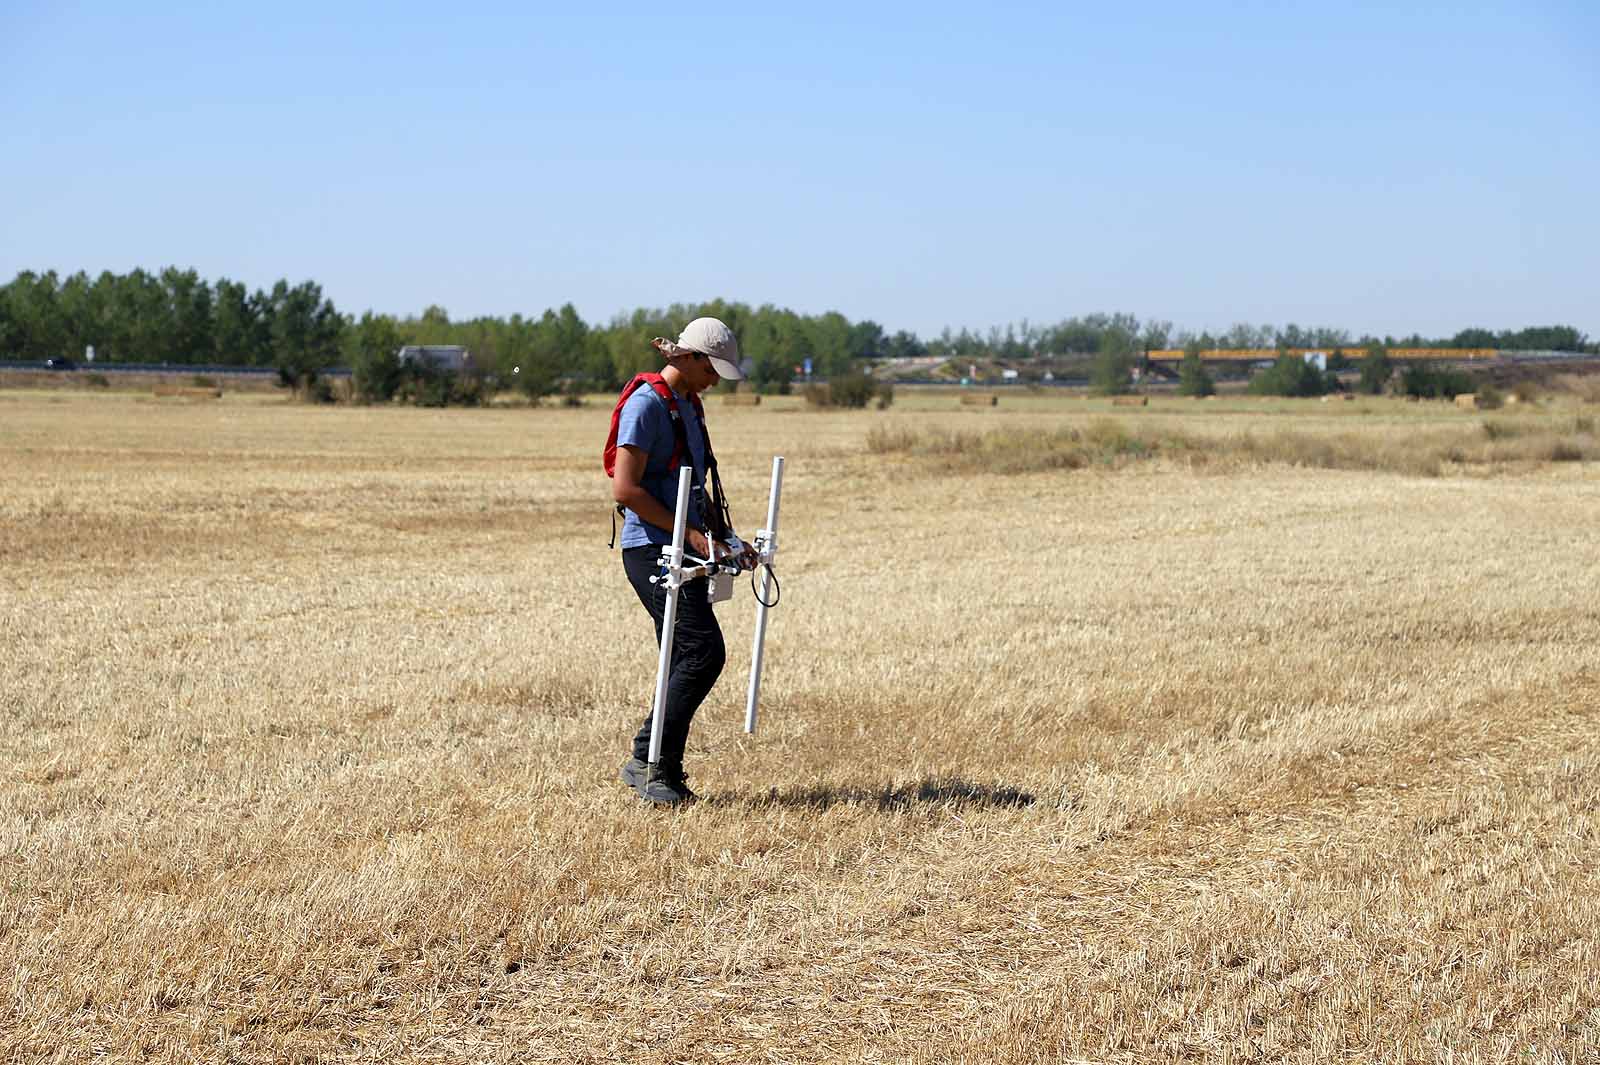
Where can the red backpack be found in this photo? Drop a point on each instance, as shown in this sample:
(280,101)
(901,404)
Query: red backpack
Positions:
(721,525)
(680,445)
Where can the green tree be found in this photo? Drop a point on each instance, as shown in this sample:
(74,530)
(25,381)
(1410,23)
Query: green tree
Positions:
(1290,375)
(867,340)
(432,328)
(905,345)
(830,336)
(1112,372)
(36,326)
(306,331)
(1193,380)
(188,316)
(241,335)
(1155,335)
(627,342)
(776,343)
(80,310)
(1474,338)
(1376,369)
(139,315)
(1543,338)
(373,352)
(543,364)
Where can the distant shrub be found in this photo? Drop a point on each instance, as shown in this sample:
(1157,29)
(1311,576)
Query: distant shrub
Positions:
(471,390)
(200,380)
(424,390)
(1193,380)
(429,386)
(1376,369)
(1112,372)
(852,390)
(1490,397)
(96,380)
(1290,375)
(1434,382)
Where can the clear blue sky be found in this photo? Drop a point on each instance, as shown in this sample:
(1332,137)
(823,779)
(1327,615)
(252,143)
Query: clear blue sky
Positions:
(1378,167)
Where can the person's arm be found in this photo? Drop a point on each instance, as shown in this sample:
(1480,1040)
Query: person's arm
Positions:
(627,490)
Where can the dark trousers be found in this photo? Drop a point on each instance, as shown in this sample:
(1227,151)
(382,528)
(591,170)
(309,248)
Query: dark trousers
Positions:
(697,653)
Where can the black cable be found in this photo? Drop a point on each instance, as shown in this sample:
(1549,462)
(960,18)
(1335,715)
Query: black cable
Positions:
(777,589)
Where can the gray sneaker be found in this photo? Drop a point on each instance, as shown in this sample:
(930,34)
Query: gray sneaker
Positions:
(667,788)
(633,772)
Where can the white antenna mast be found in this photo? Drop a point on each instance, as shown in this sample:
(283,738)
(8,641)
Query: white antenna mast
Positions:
(673,560)
(675,575)
(766,550)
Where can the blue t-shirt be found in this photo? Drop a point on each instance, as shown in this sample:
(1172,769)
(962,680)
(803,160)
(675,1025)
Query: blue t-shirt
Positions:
(646,424)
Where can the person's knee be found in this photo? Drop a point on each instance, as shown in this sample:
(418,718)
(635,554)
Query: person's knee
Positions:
(708,658)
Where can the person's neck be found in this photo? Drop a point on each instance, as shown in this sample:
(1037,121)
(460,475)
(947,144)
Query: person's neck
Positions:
(674,379)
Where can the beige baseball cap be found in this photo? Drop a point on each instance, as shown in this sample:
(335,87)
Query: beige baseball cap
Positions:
(710,337)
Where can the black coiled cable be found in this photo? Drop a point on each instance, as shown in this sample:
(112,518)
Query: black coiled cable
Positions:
(777,589)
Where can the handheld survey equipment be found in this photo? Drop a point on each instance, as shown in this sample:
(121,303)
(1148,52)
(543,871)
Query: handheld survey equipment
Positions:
(678,568)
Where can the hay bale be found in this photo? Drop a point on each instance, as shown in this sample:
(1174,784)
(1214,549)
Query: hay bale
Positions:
(979,399)
(1467,401)
(1130,401)
(742,399)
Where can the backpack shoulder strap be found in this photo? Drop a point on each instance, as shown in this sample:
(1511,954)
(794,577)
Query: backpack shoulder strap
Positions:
(608,457)
(680,435)
(663,393)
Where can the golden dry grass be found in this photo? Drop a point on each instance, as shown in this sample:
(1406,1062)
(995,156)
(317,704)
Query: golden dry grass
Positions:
(1494,444)
(310,719)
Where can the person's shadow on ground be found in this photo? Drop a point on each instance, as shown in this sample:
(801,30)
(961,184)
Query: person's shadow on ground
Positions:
(953,792)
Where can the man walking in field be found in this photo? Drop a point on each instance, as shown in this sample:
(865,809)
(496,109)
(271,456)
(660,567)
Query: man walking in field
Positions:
(659,425)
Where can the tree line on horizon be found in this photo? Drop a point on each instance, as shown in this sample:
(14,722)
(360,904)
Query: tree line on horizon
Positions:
(176,317)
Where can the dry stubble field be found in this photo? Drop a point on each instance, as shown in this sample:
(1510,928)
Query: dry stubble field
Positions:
(309,720)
